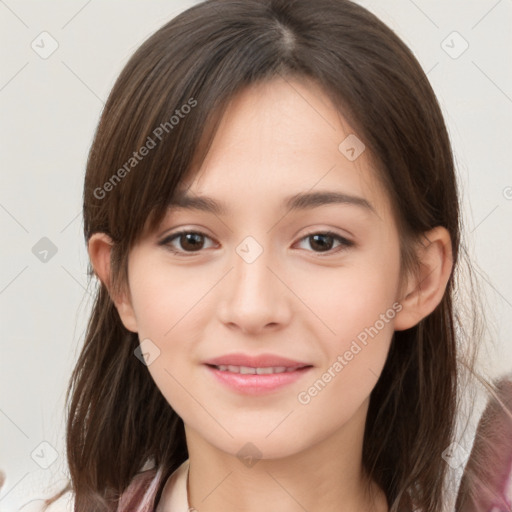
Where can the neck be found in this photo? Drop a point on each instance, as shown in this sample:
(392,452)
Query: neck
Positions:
(326,477)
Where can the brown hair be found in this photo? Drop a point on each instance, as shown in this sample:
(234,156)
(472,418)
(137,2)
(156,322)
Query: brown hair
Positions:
(489,469)
(118,420)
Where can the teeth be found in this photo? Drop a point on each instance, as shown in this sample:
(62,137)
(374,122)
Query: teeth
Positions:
(249,370)
(263,371)
(242,369)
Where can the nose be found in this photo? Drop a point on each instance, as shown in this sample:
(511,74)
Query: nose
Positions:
(254,296)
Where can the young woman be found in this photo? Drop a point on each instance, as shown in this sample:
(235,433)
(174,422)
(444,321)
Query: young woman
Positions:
(271,209)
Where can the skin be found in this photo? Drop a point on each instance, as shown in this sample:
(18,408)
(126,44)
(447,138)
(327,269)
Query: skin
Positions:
(295,300)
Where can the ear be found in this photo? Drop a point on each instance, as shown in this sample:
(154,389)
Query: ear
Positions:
(99,248)
(425,291)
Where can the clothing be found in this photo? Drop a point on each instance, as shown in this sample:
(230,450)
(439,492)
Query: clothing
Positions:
(141,494)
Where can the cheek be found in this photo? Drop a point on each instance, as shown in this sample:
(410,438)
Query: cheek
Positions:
(354,297)
(359,307)
(164,302)
(361,316)
(161,299)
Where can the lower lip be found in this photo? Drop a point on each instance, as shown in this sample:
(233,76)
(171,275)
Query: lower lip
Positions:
(254,384)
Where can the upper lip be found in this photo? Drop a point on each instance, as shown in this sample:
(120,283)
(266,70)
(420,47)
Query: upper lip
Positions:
(260,361)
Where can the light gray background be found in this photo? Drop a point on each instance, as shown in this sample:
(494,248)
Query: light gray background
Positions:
(49,110)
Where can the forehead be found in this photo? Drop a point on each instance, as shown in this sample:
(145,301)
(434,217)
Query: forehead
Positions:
(281,138)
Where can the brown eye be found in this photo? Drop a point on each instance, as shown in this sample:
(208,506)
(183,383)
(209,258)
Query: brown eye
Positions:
(323,242)
(189,242)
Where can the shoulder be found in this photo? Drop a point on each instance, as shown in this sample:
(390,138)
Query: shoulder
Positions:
(174,493)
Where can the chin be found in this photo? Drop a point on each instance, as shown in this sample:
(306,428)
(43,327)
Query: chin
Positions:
(254,445)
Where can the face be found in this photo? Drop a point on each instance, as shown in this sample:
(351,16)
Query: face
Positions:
(315,282)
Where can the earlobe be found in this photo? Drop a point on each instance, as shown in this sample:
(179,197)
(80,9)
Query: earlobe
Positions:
(99,248)
(425,290)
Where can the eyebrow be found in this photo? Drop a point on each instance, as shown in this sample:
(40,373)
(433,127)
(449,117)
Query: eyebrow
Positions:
(300,201)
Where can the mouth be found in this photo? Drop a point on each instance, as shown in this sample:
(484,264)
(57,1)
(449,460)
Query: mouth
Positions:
(247,380)
(264,370)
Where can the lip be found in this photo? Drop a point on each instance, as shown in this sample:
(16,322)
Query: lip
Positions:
(256,384)
(259,361)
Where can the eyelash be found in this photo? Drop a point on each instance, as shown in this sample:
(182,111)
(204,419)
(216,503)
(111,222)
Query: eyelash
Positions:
(345,244)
